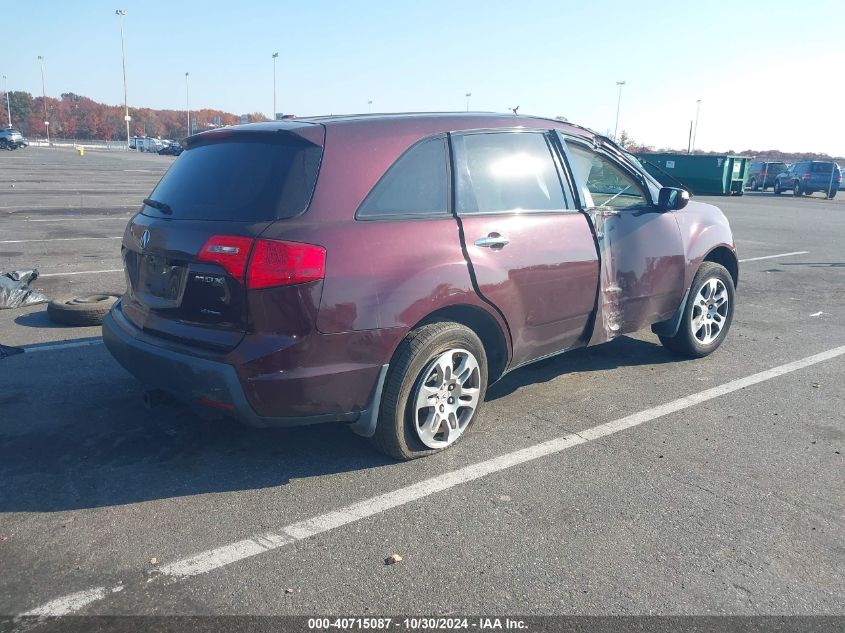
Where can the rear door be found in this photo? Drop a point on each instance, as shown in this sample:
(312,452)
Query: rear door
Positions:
(532,254)
(185,252)
(642,253)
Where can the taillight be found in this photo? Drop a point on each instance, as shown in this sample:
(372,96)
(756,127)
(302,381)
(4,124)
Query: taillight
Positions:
(805,176)
(230,252)
(272,262)
(276,263)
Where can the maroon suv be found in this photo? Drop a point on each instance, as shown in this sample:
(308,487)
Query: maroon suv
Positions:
(381,271)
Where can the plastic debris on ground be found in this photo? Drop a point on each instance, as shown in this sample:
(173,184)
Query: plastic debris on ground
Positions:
(15,289)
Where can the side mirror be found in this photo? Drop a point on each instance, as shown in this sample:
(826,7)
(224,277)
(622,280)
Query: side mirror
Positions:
(672,199)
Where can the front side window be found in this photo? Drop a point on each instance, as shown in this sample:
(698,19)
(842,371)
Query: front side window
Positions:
(502,172)
(415,185)
(601,182)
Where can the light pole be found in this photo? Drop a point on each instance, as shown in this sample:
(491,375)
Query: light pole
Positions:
(275,55)
(468,95)
(618,107)
(120,13)
(8,105)
(370,105)
(44,99)
(188,102)
(695,128)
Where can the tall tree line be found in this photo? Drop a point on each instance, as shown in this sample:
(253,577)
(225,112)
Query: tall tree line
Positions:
(77,117)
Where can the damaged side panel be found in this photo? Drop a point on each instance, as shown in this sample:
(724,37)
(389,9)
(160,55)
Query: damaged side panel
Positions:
(641,253)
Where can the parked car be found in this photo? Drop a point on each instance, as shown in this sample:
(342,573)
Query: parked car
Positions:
(173,149)
(762,174)
(432,255)
(808,176)
(11,138)
(841,180)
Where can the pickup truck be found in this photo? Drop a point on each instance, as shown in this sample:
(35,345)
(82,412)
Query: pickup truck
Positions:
(381,270)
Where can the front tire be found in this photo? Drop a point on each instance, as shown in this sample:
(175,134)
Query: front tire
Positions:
(796,189)
(753,185)
(433,391)
(708,313)
(777,188)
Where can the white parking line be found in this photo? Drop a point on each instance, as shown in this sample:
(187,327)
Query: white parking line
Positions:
(78,219)
(60,239)
(756,259)
(67,344)
(210,560)
(24,207)
(82,272)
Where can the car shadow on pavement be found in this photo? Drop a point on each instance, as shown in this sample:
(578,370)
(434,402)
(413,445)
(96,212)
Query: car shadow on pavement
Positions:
(74,434)
(40,320)
(621,352)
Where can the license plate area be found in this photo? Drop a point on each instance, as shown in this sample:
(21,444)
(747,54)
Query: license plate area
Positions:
(160,282)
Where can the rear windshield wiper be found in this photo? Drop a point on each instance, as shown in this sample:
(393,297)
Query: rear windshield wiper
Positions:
(161,206)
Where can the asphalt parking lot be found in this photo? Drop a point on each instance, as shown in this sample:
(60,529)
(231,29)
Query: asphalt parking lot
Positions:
(728,502)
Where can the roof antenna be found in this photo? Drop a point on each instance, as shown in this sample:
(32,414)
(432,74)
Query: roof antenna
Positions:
(514,109)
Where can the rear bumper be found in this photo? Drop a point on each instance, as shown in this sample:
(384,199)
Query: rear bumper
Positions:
(194,380)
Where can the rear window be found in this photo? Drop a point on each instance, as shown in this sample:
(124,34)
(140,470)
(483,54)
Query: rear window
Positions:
(822,168)
(244,178)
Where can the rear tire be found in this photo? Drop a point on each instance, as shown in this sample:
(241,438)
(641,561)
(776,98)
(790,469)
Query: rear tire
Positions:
(796,189)
(708,313)
(81,311)
(408,427)
(753,185)
(777,188)
(831,194)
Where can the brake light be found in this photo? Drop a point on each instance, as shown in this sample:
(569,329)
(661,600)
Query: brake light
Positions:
(805,176)
(229,251)
(277,263)
(265,263)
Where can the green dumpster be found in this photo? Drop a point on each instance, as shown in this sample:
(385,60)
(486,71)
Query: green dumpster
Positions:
(711,175)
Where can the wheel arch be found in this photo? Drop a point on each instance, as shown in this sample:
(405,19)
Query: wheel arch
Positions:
(724,256)
(487,328)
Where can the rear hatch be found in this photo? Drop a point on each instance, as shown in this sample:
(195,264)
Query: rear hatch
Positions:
(186,251)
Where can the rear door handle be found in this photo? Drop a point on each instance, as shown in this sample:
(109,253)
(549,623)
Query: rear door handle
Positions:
(493,240)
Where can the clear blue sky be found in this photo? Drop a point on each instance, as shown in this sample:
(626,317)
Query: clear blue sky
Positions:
(766,79)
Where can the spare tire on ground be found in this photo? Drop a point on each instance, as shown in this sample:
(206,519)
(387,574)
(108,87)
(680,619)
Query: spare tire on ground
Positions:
(87,310)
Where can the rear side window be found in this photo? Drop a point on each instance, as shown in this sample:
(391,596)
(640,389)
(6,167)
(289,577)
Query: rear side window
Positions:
(822,168)
(507,172)
(243,178)
(415,185)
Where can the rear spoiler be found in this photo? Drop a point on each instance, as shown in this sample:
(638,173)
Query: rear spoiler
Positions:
(283,132)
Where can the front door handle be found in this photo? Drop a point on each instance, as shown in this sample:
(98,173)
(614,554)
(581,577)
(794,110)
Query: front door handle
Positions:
(493,240)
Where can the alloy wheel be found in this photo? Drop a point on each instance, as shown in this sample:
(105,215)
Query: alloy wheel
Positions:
(446,398)
(710,311)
